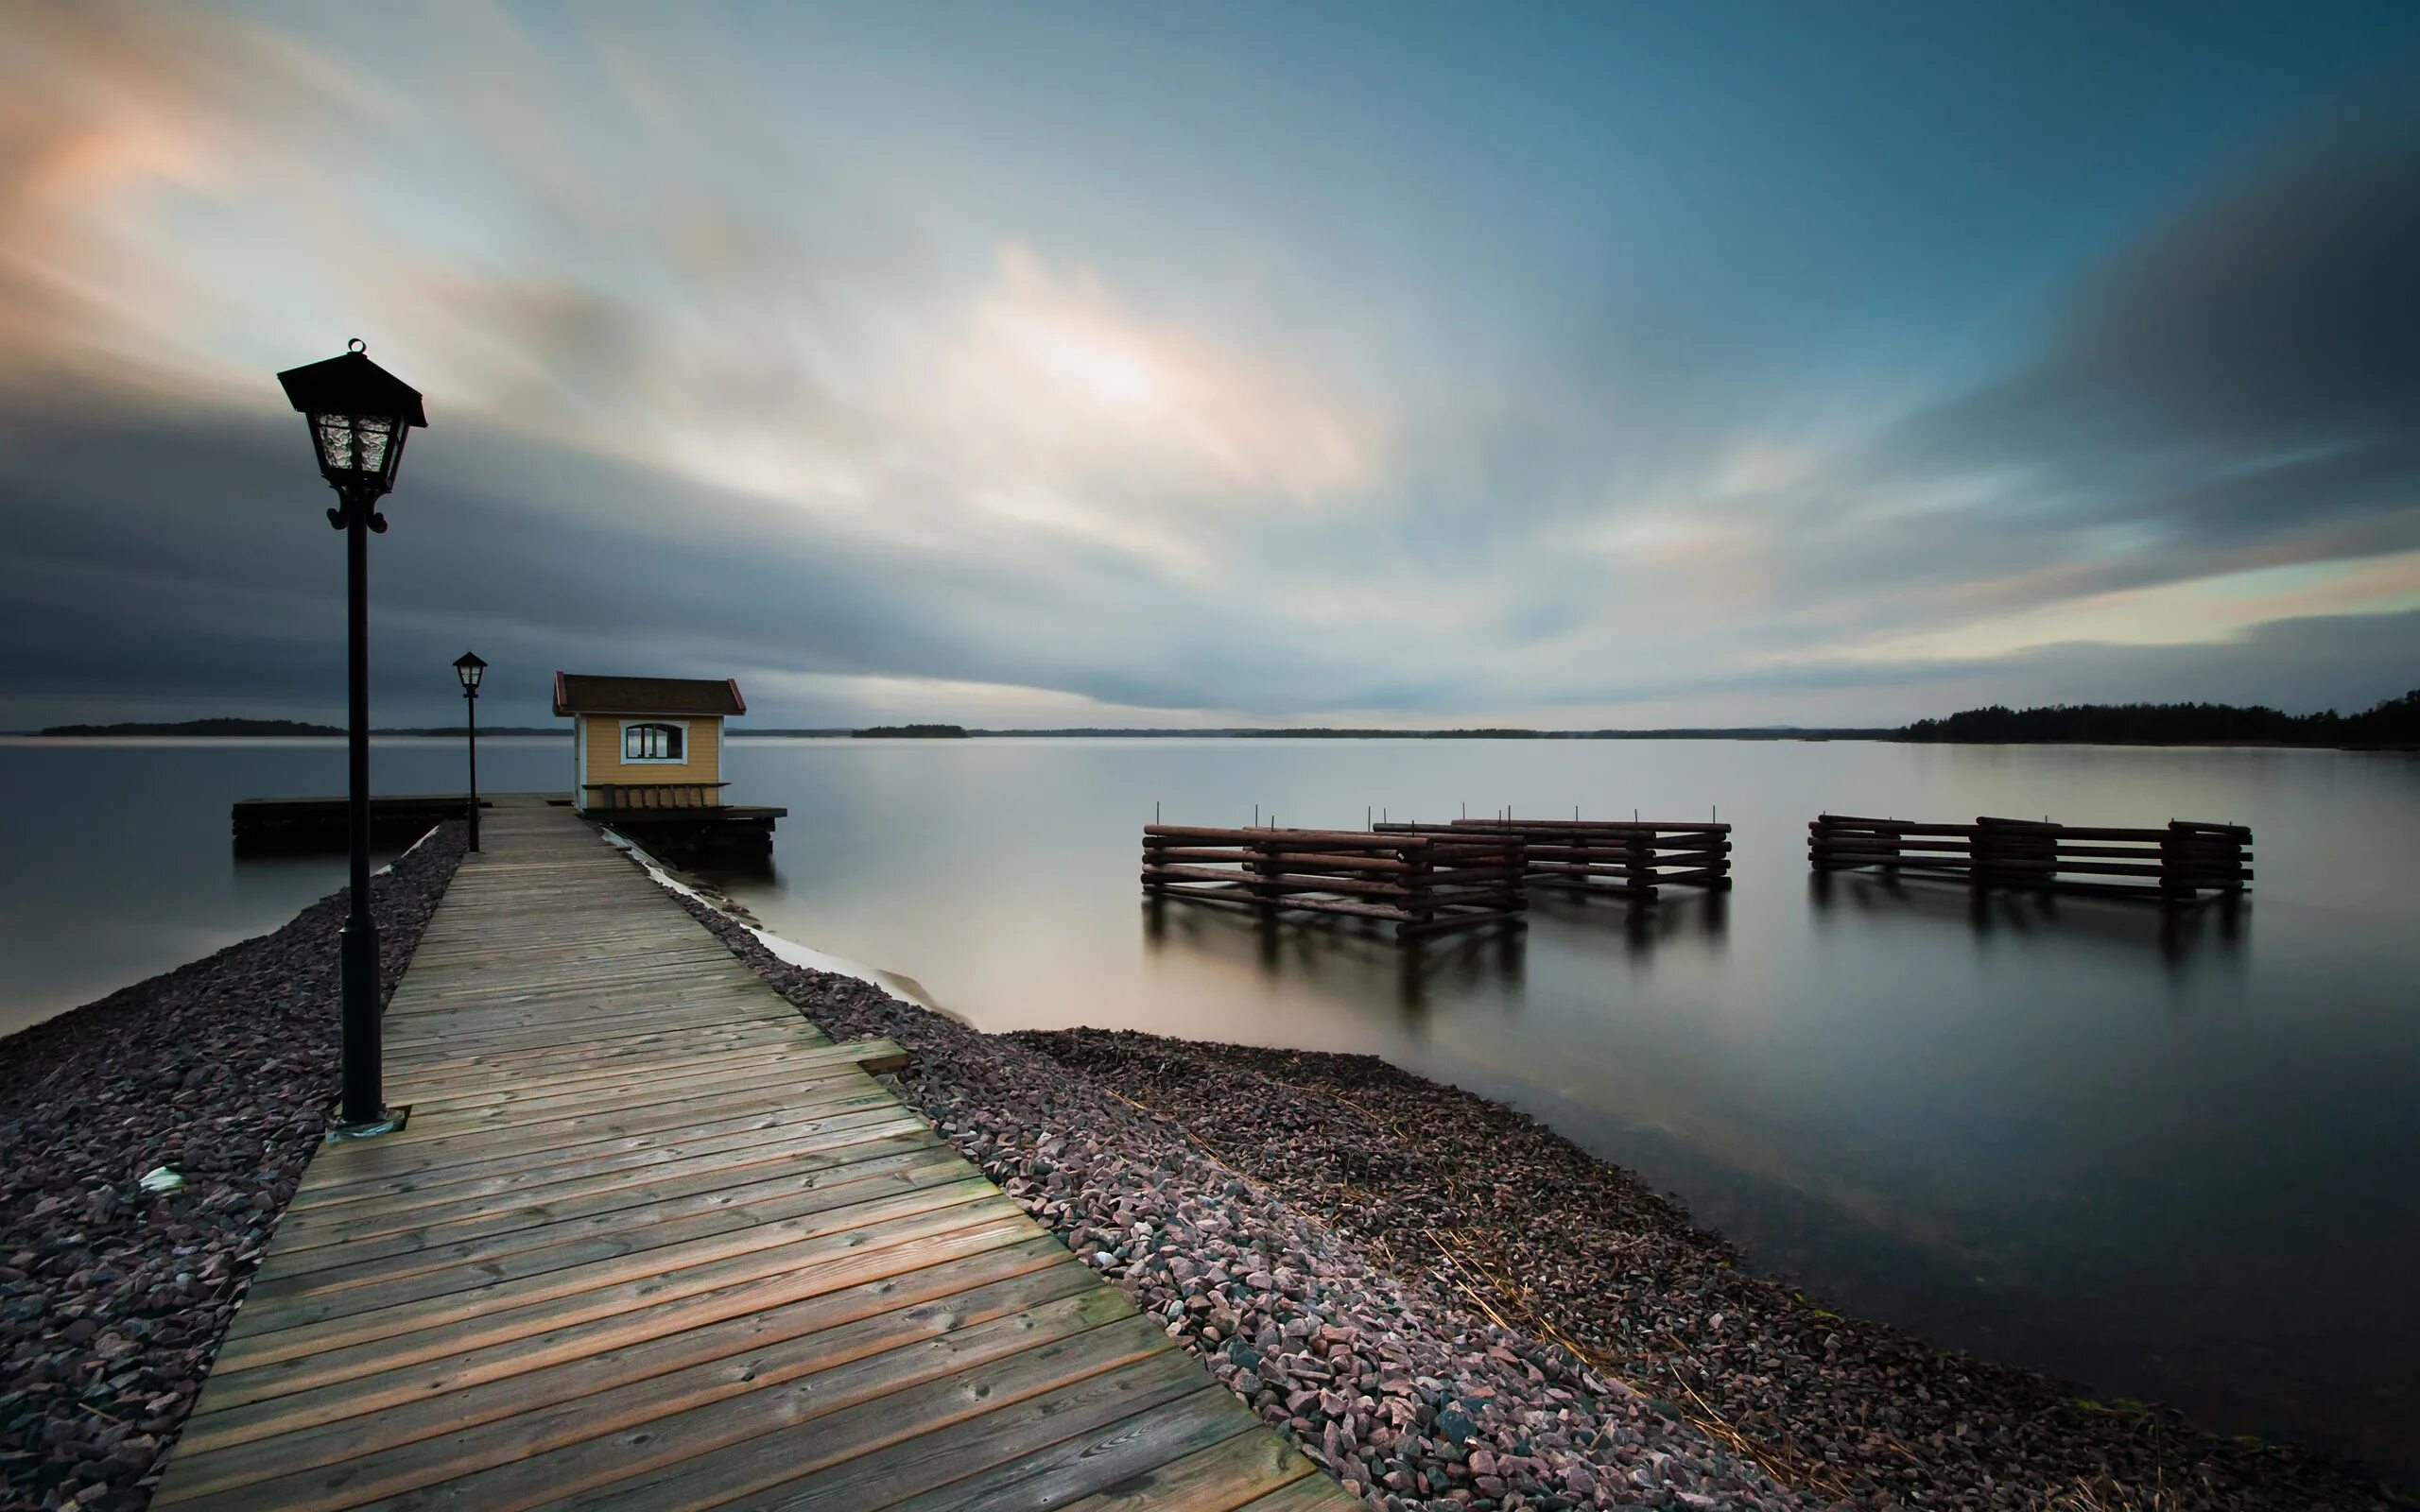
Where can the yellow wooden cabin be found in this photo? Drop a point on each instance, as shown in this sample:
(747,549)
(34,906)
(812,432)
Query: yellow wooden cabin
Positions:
(646,743)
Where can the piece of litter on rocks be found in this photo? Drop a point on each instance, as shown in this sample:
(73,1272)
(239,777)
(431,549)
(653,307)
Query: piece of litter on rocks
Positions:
(159,1178)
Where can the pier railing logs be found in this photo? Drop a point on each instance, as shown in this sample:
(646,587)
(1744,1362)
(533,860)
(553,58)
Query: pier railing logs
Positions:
(1422,883)
(1631,857)
(2178,864)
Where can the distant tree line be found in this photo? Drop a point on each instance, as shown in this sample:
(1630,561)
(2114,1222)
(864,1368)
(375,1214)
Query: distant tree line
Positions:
(913,733)
(200,726)
(2394,722)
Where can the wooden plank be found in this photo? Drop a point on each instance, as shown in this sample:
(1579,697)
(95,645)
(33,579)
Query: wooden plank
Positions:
(1220,1478)
(985,1448)
(1312,1493)
(1085,1463)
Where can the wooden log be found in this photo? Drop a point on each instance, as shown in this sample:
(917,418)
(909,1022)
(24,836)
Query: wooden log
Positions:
(1865,850)
(1297,861)
(1842,821)
(1703,877)
(1611,826)
(1687,858)
(1298,839)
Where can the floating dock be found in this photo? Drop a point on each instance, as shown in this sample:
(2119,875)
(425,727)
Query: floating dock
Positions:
(650,1239)
(2180,863)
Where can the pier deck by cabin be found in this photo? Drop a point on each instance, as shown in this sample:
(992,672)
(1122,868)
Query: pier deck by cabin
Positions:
(650,1239)
(675,820)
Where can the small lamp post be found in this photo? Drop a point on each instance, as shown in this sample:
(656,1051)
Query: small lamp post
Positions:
(469,669)
(358,414)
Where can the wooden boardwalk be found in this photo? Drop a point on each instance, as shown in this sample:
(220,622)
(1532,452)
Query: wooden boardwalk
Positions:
(652,1240)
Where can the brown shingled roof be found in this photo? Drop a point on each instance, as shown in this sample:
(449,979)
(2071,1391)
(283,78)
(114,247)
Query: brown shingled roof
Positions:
(579,693)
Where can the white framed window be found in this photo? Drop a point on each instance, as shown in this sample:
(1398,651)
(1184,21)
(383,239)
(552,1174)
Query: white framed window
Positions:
(654,742)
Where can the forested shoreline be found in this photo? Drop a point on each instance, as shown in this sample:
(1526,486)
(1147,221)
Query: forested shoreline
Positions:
(2393,722)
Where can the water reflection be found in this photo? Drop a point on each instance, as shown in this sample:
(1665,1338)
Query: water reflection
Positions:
(2216,927)
(1338,954)
(1700,916)
(730,872)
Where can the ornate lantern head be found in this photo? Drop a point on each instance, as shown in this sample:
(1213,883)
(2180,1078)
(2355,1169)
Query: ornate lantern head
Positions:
(358,413)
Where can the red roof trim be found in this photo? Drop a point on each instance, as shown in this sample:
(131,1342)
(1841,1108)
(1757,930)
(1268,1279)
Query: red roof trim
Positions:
(696,698)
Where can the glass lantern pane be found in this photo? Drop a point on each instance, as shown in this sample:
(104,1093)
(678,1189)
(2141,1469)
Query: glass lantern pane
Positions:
(370,434)
(335,441)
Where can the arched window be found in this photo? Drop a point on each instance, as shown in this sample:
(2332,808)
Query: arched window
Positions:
(653,743)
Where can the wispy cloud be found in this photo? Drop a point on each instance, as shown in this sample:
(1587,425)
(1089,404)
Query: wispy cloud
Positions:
(725,379)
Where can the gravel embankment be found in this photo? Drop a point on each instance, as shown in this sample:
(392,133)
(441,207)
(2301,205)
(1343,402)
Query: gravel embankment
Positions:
(1449,1185)
(113,1300)
(1451,1306)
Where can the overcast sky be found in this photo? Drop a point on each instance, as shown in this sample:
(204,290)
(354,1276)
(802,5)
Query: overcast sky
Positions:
(1073,364)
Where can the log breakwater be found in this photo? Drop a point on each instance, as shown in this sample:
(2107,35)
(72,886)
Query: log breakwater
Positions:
(1635,858)
(1422,883)
(2180,863)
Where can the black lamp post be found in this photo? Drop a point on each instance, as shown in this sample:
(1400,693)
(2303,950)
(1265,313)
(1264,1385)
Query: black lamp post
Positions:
(471,669)
(358,413)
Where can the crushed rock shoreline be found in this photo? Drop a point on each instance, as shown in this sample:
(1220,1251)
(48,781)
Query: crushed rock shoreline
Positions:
(113,1300)
(1447,1305)
(1484,1199)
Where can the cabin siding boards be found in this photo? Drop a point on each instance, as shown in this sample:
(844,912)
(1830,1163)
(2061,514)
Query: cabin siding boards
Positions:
(600,737)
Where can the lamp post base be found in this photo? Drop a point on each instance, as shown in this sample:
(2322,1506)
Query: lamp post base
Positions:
(345,1133)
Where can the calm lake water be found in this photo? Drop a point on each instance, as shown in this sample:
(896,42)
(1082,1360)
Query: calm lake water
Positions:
(2175,1159)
